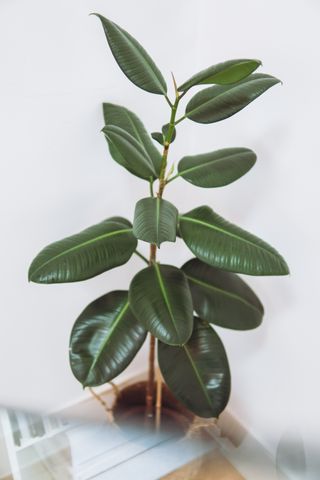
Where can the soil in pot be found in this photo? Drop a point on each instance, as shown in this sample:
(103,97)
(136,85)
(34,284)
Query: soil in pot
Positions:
(129,411)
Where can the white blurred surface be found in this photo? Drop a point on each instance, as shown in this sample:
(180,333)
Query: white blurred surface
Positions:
(58,178)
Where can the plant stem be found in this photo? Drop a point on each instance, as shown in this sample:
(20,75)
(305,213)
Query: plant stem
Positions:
(141,256)
(151,187)
(150,382)
(167,141)
(173,178)
(153,253)
(181,119)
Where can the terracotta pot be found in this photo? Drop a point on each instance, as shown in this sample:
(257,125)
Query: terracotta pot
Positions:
(129,410)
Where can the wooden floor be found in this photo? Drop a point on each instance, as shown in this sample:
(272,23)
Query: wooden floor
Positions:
(212,466)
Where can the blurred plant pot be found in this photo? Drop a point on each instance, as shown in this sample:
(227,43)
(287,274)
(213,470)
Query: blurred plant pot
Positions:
(129,410)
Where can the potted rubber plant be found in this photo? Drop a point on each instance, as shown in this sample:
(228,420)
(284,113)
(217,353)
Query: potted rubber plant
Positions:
(177,306)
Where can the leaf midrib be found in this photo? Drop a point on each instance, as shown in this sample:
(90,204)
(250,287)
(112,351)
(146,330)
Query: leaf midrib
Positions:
(207,76)
(202,386)
(137,132)
(108,337)
(81,245)
(146,160)
(225,232)
(223,93)
(165,296)
(213,75)
(208,163)
(134,47)
(223,292)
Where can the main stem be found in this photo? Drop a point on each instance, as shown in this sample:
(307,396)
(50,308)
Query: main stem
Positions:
(153,255)
(150,382)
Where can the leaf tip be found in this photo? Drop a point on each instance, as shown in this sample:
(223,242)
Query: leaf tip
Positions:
(31,277)
(286,268)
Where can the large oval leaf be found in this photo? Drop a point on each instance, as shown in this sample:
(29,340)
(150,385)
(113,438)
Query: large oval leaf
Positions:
(160,297)
(129,153)
(132,58)
(198,373)
(95,250)
(216,169)
(155,220)
(223,73)
(219,102)
(222,298)
(105,339)
(221,244)
(128,121)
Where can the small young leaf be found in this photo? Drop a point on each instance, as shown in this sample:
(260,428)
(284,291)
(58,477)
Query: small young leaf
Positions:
(216,169)
(223,245)
(165,129)
(158,137)
(224,73)
(198,373)
(95,250)
(219,102)
(132,58)
(160,298)
(128,121)
(155,220)
(129,153)
(105,339)
(222,298)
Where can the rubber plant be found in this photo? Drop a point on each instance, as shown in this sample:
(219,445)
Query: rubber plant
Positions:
(179,307)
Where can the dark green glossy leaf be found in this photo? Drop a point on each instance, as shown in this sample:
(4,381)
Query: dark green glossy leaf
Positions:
(216,169)
(223,73)
(160,297)
(132,58)
(158,137)
(165,130)
(155,220)
(95,250)
(129,153)
(128,121)
(222,298)
(219,102)
(198,373)
(221,244)
(105,339)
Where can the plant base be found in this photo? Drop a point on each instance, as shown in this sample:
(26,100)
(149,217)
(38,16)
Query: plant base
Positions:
(129,410)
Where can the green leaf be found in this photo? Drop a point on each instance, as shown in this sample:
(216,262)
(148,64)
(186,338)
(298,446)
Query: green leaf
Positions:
(219,102)
(165,130)
(198,373)
(216,169)
(224,73)
(155,220)
(132,58)
(128,121)
(221,244)
(104,340)
(222,298)
(158,137)
(161,299)
(95,250)
(129,153)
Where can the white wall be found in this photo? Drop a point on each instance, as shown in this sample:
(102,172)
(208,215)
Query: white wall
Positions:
(57,178)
